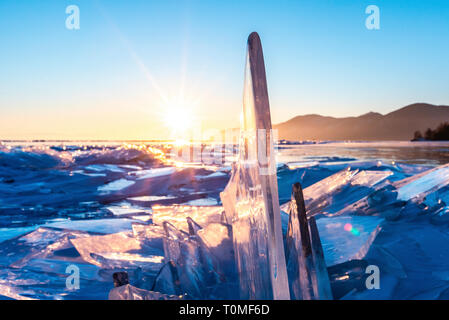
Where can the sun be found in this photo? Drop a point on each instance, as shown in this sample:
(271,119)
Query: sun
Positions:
(178,117)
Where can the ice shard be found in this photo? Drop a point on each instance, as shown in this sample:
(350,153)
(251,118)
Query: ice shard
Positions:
(422,184)
(306,266)
(396,199)
(299,249)
(183,253)
(192,261)
(338,191)
(322,287)
(193,226)
(251,198)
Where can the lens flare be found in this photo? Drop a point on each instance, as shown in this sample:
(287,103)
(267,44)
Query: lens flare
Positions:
(349,228)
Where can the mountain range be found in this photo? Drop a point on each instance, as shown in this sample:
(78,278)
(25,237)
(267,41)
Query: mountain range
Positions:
(397,125)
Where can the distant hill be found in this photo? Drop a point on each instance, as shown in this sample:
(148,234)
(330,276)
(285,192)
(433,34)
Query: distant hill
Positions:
(397,125)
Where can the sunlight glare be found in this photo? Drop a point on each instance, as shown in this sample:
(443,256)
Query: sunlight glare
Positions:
(178,117)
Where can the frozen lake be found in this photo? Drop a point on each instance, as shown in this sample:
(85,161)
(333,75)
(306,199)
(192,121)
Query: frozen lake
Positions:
(56,196)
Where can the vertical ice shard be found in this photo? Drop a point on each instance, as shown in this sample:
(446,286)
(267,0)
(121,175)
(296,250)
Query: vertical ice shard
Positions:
(184,253)
(192,269)
(306,267)
(193,226)
(299,248)
(322,284)
(251,197)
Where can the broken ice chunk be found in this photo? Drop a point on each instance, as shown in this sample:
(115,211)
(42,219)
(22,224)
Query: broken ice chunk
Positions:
(405,197)
(106,245)
(216,239)
(184,252)
(422,184)
(338,191)
(128,292)
(58,267)
(125,210)
(177,215)
(99,225)
(148,232)
(39,244)
(147,262)
(347,237)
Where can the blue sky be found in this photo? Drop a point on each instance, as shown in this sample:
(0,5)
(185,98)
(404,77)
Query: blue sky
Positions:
(112,78)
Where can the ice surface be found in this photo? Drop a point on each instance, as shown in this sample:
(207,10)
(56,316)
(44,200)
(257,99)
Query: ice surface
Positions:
(125,210)
(104,167)
(41,243)
(151,198)
(413,265)
(347,237)
(57,186)
(441,216)
(13,293)
(99,226)
(9,233)
(153,173)
(251,198)
(115,186)
(203,202)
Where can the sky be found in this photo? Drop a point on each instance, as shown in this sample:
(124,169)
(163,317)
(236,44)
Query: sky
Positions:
(137,69)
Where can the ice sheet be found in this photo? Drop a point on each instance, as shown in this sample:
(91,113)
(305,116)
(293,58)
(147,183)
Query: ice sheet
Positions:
(99,226)
(347,237)
(416,186)
(9,233)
